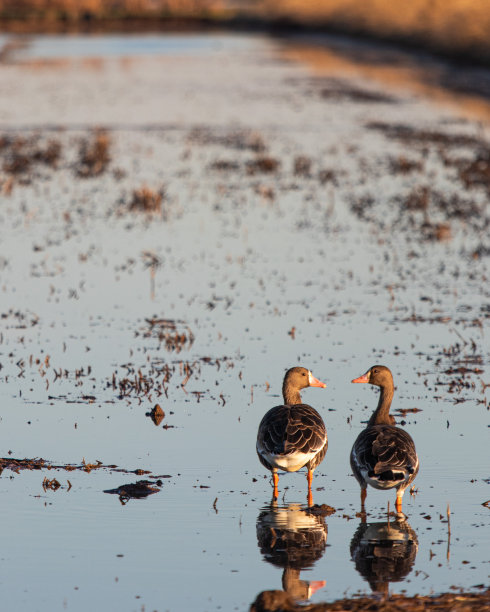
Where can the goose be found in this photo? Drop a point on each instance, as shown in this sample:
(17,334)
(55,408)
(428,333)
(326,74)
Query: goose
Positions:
(383,455)
(293,435)
(294,539)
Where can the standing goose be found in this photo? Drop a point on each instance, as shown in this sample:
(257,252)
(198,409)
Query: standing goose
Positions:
(383,455)
(293,435)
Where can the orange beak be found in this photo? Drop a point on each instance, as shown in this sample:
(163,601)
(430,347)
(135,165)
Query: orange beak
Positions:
(314,585)
(314,382)
(362,379)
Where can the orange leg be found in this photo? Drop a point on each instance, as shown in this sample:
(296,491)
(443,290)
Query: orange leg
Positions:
(275,480)
(309,478)
(398,503)
(363,498)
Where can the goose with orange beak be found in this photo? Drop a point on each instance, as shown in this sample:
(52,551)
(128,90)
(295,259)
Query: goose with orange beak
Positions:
(293,435)
(383,456)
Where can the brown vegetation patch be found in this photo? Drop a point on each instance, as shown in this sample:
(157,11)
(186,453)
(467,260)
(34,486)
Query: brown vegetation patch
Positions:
(20,154)
(176,335)
(156,414)
(147,200)
(302,166)
(101,15)
(410,134)
(21,320)
(361,206)
(16,465)
(152,379)
(264,165)
(243,140)
(135,490)
(321,510)
(417,199)
(476,173)
(328,176)
(266,192)
(340,89)
(403,165)
(426,213)
(280,601)
(224,165)
(94,155)
(452,206)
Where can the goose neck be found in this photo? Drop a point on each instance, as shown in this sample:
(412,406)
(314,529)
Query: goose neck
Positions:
(382,413)
(291,395)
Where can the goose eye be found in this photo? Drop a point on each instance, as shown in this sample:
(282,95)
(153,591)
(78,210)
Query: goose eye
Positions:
(375,371)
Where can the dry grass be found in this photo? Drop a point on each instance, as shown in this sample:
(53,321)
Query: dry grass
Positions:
(263,164)
(19,153)
(83,10)
(94,155)
(453,26)
(280,601)
(147,200)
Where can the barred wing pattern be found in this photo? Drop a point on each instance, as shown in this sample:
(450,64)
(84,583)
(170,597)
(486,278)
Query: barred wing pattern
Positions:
(385,454)
(292,430)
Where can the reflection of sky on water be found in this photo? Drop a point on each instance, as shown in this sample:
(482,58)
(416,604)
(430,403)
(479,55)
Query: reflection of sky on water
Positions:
(113,46)
(241,274)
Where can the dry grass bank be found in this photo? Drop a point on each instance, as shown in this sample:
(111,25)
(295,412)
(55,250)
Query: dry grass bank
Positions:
(73,11)
(452,26)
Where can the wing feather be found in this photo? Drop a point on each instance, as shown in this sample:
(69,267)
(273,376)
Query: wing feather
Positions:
(383,448)
(290,429)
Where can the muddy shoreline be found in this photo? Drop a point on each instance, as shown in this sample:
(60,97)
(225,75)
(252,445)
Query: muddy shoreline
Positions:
(459,601)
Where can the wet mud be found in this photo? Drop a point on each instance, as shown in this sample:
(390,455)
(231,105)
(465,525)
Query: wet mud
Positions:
(278,601)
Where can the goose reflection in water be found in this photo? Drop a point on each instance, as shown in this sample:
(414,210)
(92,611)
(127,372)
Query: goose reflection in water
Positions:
(292,538)
(384,552)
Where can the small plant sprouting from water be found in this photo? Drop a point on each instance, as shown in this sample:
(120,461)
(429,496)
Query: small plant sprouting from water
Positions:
(94,155)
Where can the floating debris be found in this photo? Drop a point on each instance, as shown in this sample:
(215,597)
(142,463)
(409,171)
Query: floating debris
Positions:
(320,510)
(135,490)
(16,465)
(156,414)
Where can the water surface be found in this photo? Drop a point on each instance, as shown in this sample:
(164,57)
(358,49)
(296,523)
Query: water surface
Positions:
(315,263)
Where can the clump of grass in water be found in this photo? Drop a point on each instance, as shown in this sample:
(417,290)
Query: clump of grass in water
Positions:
(302,166)
(20,154)
(94,155)
(263,164)
(147,200)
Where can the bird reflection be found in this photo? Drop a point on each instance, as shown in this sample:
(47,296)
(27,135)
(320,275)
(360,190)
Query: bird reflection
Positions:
(384,552)
(293,538)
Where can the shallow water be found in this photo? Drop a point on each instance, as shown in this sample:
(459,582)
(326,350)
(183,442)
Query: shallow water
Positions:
(113,46)
(261,271)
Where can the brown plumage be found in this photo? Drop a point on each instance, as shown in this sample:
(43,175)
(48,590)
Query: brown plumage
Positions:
(383,455)
(293,435)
